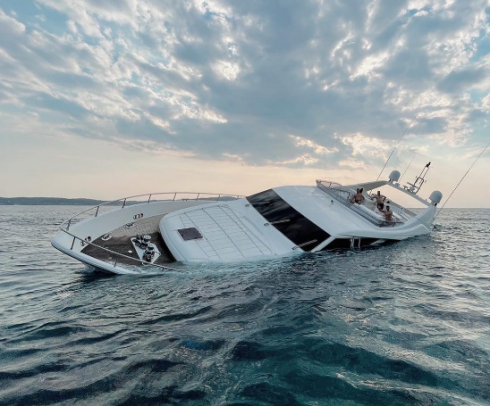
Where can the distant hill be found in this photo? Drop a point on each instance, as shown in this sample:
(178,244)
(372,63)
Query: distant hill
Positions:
(39,201)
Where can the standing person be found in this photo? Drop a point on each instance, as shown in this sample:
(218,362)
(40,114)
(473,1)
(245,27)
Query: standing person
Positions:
(380,200)
(388,214)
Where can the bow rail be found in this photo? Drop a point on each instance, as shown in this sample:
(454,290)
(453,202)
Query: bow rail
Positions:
(212,197)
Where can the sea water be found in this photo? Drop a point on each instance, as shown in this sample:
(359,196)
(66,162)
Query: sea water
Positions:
(406,324)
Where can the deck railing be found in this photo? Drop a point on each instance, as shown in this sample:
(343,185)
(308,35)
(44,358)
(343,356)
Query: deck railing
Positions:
(345,195)
(147,198)
(408,213)
(143,199)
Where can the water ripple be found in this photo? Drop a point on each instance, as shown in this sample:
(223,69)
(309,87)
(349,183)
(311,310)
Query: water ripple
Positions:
(406,324)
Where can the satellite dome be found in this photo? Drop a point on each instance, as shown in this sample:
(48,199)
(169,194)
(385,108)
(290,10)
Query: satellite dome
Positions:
(435,197)
(394,176)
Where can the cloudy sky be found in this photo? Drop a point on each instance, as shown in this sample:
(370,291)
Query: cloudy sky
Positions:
(109,98)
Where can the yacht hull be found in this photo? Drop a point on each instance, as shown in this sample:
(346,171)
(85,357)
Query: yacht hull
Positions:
(284,221)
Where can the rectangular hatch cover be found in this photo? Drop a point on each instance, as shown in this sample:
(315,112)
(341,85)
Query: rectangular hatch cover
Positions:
(189,234)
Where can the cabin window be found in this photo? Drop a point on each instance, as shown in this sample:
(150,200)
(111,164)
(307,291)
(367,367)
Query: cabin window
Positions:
(338,244)
(345,243)
(287,220)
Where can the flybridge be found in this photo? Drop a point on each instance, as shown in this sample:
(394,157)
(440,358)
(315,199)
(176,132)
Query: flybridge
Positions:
(344,195)
(367,210)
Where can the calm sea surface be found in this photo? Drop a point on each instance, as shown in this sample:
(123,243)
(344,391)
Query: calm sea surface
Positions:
(407,324)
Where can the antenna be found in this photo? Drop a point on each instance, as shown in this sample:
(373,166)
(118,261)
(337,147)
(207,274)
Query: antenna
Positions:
(398,143)
(419,181)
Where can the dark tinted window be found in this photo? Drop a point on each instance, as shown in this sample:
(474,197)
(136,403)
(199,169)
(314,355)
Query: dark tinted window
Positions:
(190,233)
(338,244)
(287,220)
(345,243)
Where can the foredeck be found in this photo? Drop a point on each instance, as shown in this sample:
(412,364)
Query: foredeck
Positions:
(119,241)
(116,246)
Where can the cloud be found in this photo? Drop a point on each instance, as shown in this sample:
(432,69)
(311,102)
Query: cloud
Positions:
(466,79)
(309,84)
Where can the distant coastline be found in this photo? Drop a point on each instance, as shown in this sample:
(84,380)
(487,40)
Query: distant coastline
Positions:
(48,201)
(63,201)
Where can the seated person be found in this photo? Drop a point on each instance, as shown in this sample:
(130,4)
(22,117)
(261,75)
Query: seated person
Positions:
(358,197)
(388,214)
(380,199)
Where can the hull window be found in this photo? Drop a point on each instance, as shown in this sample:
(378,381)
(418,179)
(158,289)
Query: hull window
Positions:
(338,244)
(347,243)
(287,220)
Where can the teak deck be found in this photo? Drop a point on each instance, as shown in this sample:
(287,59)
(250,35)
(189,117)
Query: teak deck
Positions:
(120,242)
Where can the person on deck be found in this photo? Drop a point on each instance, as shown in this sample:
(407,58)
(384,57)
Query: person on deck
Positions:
(388,214)
(380,200)
(358,197)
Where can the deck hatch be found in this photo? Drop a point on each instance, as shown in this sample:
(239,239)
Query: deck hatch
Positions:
(287,220)
(189,234)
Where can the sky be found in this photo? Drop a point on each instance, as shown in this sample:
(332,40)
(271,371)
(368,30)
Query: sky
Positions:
(105,99)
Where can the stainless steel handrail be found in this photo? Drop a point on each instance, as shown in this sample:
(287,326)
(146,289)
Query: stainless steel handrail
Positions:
(408,212)
(330,183)
(150,195)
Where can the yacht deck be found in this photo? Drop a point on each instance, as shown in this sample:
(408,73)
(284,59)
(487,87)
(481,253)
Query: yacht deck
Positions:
(119,241)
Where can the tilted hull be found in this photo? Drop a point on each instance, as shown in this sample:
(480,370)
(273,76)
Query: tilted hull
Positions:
(283,221)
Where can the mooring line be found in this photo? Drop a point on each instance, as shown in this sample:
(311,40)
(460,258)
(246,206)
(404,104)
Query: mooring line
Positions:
(461,180)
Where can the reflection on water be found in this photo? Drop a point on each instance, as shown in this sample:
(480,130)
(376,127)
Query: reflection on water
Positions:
(398,325)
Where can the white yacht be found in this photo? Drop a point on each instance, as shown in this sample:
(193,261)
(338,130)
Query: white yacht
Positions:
(159,229)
